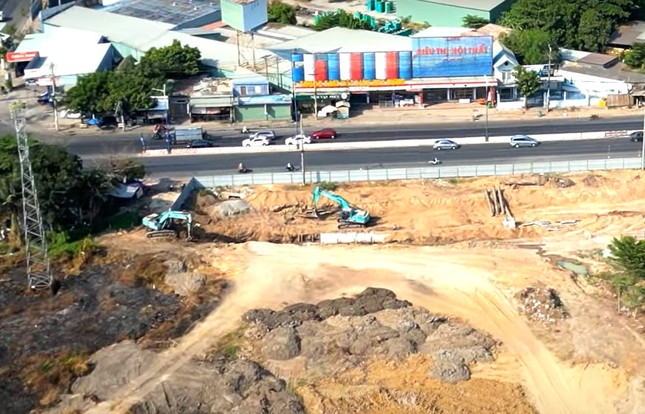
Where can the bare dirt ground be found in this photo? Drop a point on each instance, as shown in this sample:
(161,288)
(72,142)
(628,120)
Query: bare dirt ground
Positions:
(589,362)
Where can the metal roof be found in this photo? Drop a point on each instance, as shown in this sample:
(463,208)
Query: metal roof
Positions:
(339,40)
(628,34)
(484,5)
(56,39)
(130,31)
(66,61)
(619,72)
(598,59)
(175,12)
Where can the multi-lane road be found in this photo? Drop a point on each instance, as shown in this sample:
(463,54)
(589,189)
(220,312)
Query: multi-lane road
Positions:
(96,146)
(186,166)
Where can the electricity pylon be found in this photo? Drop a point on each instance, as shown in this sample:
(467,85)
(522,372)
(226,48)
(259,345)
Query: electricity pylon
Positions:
(38,270)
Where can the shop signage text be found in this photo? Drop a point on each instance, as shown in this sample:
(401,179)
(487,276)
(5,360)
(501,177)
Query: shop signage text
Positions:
(20,56)
(480,49)
(351,83)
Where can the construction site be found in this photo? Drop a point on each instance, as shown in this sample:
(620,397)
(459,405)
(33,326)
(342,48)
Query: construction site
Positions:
(437,296)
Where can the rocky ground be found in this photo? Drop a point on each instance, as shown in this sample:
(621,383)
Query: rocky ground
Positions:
(46,339)
(330,339)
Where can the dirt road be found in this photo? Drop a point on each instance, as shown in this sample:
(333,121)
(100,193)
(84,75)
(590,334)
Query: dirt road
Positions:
(469,284)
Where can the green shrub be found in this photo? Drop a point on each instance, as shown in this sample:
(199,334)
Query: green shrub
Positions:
(60,244)
(327,186)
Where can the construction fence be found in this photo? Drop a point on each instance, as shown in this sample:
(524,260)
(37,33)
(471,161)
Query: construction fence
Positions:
(431,172)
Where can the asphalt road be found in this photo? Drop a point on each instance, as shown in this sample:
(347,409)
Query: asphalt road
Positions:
(113,143)
(186,166)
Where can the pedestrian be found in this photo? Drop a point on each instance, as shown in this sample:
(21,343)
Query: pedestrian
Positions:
(143,143)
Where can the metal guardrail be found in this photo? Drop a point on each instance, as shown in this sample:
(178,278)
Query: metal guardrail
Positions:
(384,174)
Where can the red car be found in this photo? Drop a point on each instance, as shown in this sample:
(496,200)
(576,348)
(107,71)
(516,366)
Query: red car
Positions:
(324,133)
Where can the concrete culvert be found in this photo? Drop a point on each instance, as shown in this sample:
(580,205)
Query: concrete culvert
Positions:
(230,208)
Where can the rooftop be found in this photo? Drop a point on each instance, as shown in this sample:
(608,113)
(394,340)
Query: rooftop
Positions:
(340,40)
(598,59)
(130,31)
(446,32)
(628,34)
(484,5)
(175,12)
(619,72)
(60,38)
(66,62)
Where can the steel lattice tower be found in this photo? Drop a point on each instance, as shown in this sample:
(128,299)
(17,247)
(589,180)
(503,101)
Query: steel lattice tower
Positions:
(38,270)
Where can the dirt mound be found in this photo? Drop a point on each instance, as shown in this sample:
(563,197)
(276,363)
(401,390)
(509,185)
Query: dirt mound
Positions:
(542,304)
(216,386)
(337,335)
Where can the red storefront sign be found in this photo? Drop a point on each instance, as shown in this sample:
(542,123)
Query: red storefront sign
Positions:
(20,56)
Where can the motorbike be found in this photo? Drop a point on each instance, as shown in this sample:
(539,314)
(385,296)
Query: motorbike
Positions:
(291,168)
(436,161)
(244,170)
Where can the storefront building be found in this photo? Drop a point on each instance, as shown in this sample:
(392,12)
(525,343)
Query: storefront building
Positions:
(435,69)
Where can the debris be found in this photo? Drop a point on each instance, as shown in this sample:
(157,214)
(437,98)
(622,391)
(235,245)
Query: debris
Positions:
(231,208)
(564,182)
(185,283)
(542,305)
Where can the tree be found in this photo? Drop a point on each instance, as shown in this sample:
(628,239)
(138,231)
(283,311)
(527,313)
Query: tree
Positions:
(531,46)
(474,22)
(628,278)
(341,19)
(64,188)
(282,13)
(90,94)
(635,58)
(527,81)
(576,24)
(171,62)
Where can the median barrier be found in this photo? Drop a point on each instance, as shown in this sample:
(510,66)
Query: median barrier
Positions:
(348,146)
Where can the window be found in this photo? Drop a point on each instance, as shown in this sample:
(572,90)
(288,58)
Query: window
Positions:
(243,91)
(462,93)
(258,90)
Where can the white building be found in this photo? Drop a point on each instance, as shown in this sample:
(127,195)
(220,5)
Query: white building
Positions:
(62,55)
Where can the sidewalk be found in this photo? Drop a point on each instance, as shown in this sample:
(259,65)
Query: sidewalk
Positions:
(40,117)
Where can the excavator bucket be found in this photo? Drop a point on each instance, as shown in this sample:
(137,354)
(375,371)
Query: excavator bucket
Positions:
(313,214)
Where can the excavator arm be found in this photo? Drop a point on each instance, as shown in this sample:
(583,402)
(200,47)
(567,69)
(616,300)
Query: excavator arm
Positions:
(350,217)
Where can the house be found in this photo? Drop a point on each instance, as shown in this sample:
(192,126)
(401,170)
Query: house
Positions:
(626,35)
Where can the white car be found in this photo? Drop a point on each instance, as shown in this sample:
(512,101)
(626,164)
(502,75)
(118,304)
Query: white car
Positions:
(297,140)
(258,141)
(66,113)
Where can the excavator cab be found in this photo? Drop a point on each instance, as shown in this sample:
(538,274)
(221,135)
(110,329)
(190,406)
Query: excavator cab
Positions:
(169,224)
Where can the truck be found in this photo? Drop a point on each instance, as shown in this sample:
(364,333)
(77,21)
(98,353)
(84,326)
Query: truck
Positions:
(185,135)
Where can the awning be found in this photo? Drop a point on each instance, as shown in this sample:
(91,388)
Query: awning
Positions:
(208,111)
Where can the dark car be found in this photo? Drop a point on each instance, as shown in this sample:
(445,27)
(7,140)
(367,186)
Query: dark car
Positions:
(108,122)
(636,136)
(199,143)
(326,133)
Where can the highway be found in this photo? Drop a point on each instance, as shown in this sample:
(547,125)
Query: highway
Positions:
(187,166)
(111,143)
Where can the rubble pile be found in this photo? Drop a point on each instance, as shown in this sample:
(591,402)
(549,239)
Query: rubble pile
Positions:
(337,335)
(542,304)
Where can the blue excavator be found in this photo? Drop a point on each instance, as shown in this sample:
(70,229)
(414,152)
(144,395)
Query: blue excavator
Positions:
(169,224)
(350,216)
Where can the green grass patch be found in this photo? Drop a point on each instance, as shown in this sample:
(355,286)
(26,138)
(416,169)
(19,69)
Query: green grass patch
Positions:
(230,344)
(124,221)
(59,244)
(327,186)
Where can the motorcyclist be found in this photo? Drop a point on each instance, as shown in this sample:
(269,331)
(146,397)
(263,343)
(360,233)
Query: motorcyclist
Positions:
(435,161)
(241,168)
(290,167)
(245,130)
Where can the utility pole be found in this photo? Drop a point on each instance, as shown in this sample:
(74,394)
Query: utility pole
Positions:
(548,81)
(38,270)
(302,153)
(486,103)
(53,79)
(643,145)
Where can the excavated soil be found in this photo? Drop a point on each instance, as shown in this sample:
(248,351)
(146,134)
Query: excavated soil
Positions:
(440,212)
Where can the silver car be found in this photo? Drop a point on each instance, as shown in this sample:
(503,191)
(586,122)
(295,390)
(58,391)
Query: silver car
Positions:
(265,133)
(518,141)
(445,144)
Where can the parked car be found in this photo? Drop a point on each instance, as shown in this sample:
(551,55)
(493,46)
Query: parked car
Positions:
(297,140)
(108,122)
(199,143)
(264,132)
(518,141)
(258,141)
(636,136)
(326,133)
(443,144)
(66,113)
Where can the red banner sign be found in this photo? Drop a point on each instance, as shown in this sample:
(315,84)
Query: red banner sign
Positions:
(20,56)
